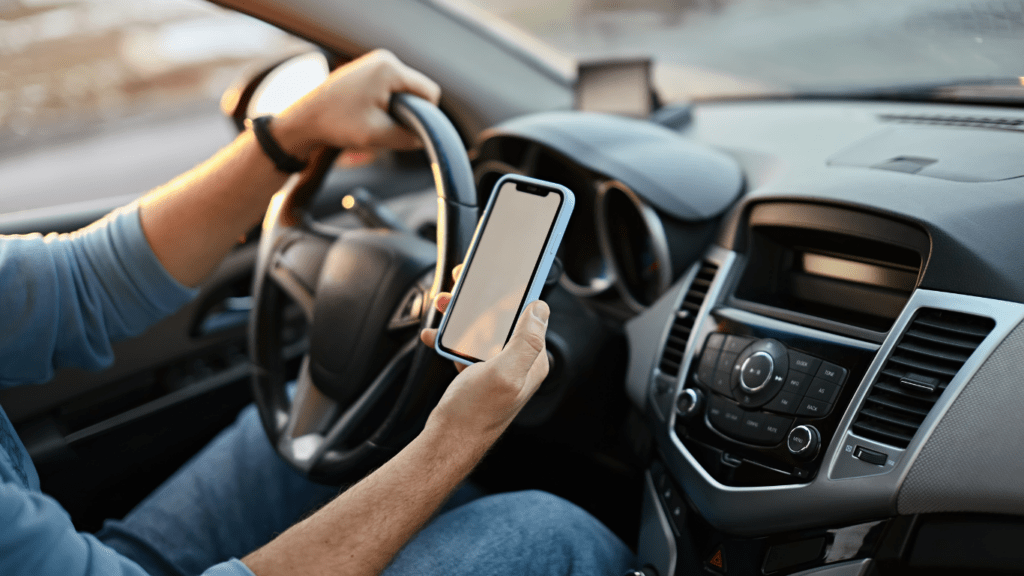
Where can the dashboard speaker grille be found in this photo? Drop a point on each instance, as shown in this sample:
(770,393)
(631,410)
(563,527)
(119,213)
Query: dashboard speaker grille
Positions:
(682,324)
(929,355)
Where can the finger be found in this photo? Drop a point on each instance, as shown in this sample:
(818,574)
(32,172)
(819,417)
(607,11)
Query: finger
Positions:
(538,372)
(527,341)
(456,272)
(416,82)
(441,301)
(389,134)
(428,335)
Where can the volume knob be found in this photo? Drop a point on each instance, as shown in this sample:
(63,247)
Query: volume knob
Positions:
(803,442)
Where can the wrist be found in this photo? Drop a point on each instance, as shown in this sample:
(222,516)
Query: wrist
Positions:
(457,437)
(292,134)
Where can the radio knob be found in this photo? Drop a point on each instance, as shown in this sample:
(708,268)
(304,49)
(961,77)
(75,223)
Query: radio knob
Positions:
(689,403)
(803,441)
(756,371)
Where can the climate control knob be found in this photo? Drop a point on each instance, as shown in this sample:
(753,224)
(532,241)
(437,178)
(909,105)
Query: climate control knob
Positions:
(803,442)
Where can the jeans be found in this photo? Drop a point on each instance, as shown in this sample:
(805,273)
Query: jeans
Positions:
(237,494)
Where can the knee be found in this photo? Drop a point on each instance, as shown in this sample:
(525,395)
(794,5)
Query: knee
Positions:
(537,509)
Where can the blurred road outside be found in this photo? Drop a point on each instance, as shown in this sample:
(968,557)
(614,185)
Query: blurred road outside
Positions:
(102,98)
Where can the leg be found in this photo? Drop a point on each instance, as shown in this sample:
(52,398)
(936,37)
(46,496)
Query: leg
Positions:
(520,533)
(231,498)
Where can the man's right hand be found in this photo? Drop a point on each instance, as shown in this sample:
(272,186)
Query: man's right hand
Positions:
(485,397)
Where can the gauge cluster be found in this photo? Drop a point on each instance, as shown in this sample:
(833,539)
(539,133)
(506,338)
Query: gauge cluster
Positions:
(619,248)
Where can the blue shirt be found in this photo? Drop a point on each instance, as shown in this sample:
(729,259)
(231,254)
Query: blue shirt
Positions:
(63,300)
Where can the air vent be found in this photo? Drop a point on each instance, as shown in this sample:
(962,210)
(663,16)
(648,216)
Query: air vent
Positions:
(928,356)
(993,122)
(682,324)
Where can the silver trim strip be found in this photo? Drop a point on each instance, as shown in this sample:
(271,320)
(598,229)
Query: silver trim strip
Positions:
(838,494)
(855,568)
(655,229)
(662,542)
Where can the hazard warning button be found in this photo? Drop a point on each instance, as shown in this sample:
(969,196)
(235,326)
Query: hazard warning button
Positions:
(716,561)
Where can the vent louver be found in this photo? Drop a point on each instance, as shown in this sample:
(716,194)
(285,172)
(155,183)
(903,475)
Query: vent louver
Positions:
(682,324)
(997,123)
(928,356)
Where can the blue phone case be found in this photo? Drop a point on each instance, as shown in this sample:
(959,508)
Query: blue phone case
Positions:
(547,253)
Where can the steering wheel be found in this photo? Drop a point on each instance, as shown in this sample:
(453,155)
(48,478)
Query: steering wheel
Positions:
(367,383)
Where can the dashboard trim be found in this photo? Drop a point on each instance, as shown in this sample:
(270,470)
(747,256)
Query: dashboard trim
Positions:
(655,230)
(826,499)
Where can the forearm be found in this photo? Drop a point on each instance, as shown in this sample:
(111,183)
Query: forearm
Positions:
(194,220)
(360,531)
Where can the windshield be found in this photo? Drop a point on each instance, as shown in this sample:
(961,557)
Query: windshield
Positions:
(715,48)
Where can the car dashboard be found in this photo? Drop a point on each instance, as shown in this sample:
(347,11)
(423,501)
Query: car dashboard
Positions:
(824,350)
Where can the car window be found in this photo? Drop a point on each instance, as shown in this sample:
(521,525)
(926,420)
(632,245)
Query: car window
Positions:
(711,48)
(105,98)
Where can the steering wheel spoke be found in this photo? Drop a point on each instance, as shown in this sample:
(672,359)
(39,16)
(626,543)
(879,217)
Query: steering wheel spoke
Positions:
(318,425)
(295,266)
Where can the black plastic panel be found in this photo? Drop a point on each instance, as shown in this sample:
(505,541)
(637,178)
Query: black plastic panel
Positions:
(737,463)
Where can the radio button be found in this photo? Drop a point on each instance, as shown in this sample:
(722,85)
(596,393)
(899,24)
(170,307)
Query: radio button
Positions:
(803,362)
(785,403)
(722,381)
(725,416)
(715,341)
(736,344)
(823,390)
(706,368)
(796,383)
(813,408)
(831,372)
(763,429)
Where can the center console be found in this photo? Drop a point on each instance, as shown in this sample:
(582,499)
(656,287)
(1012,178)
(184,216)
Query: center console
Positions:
(762,403)
(790,386)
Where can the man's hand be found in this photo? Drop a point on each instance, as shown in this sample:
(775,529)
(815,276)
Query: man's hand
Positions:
(361,530)
(193,221)
(350,109)
(484,399)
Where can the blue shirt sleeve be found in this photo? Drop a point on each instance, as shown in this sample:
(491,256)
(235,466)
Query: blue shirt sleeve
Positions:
(38,539)
(66,297)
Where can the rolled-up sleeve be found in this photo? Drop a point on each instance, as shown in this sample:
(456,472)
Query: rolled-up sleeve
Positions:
(66,297)
(38,539)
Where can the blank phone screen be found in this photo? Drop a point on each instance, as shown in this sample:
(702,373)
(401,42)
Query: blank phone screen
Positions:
(495,281)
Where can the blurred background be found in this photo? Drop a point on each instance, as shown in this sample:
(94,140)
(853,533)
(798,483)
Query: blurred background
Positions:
(85,82)
(102,98)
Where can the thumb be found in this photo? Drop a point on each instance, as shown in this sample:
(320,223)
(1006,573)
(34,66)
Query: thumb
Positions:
(527,341)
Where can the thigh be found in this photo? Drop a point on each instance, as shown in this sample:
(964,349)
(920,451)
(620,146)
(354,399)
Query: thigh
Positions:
(519,533)
(231,498)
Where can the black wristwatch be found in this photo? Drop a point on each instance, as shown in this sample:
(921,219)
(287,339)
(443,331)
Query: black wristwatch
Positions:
(284,161)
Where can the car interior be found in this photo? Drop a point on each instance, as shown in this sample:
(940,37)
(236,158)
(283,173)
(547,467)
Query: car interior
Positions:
(785,327)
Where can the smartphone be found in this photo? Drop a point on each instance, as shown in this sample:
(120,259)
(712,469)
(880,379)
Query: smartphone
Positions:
(505,268)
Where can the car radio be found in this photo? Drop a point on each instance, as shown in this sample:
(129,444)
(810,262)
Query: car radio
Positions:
(759,404)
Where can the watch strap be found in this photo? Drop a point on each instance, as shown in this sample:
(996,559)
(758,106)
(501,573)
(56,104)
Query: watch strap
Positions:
(284,161)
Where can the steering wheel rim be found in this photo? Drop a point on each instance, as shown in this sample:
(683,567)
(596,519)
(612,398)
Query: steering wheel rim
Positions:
(305,429)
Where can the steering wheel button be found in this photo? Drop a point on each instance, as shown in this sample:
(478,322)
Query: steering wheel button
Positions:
(831,372)
(803,362)
(813,408)
(823,390)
